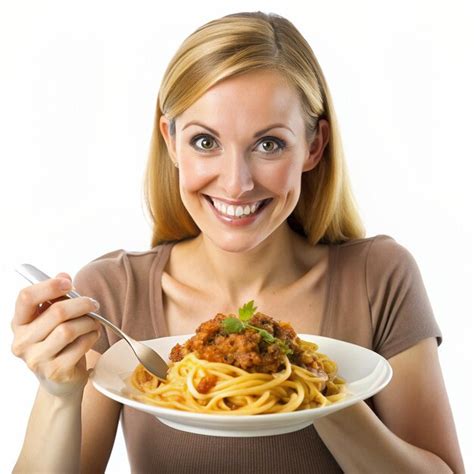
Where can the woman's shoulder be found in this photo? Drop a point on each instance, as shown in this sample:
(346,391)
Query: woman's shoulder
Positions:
(118,264)
(379,249)
(378,240)
(379,258)
(383,262)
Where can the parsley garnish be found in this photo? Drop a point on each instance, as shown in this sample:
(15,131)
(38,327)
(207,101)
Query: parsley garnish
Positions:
(233,325)
(247,311)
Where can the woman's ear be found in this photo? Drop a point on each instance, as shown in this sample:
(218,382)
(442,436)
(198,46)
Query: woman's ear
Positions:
(170,140)
(317,146)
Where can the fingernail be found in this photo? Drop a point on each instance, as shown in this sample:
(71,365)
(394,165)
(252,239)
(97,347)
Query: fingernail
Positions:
(64,284)
(96,303)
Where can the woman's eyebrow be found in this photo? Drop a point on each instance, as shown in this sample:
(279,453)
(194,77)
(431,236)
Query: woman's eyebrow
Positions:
(256,135)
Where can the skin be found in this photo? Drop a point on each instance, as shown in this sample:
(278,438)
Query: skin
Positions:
(239,169)
(53,341)
(411,432)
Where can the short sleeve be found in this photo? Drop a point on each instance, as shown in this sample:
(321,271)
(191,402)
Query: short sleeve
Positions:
(400,309)
(104,279)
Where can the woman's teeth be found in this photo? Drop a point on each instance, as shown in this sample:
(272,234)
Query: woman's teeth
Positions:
(236,211)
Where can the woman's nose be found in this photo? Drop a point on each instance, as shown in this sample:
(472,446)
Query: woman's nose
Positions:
(235,174)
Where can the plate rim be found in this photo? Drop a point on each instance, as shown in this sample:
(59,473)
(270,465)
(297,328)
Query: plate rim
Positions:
(158,411)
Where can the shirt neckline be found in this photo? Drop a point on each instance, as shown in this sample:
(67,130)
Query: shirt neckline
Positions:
(156,291)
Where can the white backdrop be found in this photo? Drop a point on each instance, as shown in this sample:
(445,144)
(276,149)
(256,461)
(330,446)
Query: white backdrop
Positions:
(78,89)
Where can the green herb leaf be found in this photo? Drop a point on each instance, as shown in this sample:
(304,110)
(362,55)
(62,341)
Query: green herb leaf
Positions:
(286,350)
(232,325)
(266,336)
(247,311)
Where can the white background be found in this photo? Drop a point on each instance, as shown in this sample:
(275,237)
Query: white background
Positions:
(78,89)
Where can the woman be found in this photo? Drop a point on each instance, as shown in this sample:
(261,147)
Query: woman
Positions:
(250,200)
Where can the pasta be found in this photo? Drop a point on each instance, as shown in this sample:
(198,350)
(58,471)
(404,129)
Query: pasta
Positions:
(275,374)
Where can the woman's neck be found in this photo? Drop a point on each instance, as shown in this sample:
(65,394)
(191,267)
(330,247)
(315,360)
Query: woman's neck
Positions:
(238,277)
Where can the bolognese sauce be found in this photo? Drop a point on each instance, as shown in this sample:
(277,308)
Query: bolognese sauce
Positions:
(247,349)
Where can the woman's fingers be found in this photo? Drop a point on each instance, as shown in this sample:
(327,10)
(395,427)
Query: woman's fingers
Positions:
(66,333)
(29,298)
(54,320)
(52,334)
(67,372)
(68,338)
(64,275)
(73,353)
(52,317)
(44,306)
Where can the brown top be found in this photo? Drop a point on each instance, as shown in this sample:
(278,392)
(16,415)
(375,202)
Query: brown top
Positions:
(376,299)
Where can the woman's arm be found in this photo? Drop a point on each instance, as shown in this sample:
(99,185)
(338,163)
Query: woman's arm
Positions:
(53,435)
(415,431)
(100,417)
(53,438)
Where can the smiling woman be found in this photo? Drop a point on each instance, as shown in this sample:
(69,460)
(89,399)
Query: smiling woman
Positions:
(274,84)
(249,197)
(240,173)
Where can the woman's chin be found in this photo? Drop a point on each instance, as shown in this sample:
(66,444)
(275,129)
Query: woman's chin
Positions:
(235,244)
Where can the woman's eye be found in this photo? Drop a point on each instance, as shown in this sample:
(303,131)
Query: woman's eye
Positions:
(271,145)
(203,143)
(267,145)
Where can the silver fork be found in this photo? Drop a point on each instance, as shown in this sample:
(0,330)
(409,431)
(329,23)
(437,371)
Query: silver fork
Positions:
(152,361)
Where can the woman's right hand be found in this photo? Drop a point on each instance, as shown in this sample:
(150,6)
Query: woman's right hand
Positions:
(53,338)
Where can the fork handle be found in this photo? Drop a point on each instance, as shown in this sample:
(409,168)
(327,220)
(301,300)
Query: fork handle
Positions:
(35,275)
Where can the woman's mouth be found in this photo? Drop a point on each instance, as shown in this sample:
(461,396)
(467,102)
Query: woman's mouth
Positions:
(237,214)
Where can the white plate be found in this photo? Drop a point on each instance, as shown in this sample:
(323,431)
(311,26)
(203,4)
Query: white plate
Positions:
(364,371)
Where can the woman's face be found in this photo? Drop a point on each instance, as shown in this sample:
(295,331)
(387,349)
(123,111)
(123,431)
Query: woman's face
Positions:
(241,150)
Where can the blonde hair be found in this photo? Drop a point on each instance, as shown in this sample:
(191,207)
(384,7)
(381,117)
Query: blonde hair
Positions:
(232,45)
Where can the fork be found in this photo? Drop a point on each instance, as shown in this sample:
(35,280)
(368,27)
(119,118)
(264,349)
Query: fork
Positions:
(150,359)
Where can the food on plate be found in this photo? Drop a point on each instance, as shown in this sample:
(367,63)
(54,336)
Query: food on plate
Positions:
(243,364)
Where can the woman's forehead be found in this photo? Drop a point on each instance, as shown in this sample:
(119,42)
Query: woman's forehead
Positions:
(257,97)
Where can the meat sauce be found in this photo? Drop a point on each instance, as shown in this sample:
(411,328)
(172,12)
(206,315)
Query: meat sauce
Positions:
(247,349)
